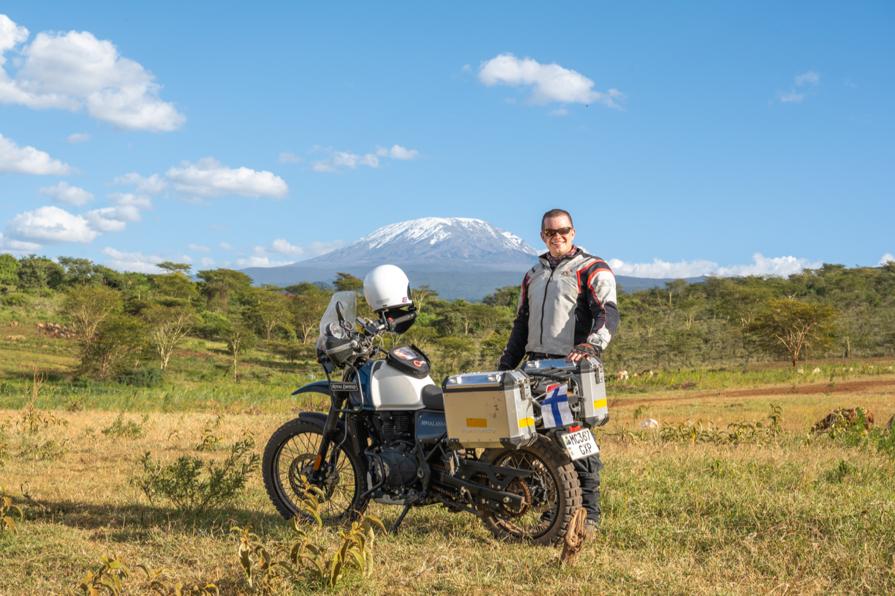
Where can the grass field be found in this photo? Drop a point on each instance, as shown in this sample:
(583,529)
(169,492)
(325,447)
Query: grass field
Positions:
(694,506)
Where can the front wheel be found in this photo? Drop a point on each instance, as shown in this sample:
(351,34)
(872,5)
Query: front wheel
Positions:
(287,465)
(551,495)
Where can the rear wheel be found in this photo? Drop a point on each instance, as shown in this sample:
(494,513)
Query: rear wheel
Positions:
(551,495)
(287,466)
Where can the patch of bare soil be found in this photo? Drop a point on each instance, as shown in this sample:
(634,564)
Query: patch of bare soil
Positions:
(814,389)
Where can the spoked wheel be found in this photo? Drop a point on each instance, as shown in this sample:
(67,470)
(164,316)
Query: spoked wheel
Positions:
(551,495)
(287,465)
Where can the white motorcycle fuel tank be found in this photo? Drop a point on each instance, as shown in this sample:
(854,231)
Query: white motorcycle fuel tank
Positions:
(397,382)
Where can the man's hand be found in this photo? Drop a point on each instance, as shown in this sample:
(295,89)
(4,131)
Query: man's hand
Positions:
(582,351)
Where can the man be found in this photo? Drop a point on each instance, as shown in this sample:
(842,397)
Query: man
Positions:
(567,309)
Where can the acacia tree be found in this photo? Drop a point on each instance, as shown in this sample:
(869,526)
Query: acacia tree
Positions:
(87,307)
(270,308)
(792,327)
(168,326)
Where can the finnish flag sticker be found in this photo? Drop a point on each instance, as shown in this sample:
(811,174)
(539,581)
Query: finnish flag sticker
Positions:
(555,409)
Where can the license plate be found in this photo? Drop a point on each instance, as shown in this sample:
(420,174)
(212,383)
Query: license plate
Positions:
(580,444)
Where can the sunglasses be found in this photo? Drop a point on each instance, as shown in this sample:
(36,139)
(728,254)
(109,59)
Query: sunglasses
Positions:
(550,233)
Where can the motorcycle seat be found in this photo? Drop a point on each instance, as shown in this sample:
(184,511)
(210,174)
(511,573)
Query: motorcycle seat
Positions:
(433,397)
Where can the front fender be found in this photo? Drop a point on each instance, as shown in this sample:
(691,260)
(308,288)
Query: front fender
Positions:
(315,387)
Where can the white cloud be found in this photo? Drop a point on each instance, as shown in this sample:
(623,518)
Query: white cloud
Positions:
(132,261)
(548,82)
(198,247)
(887,258)
(112,219)
(285,248)
(259,258)
(50,224)
(206,261)
(127,199)
(17,247)
(78,137)
(152,185)
(402,153)
(760,266)
(807,78)
(28,160)
(791,97)
(75,71)
(226,245)
(801,82)
(65,192)
(342,160)
(287,157)
(208,178)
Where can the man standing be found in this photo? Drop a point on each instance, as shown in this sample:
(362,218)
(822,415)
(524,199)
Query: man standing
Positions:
(567,309)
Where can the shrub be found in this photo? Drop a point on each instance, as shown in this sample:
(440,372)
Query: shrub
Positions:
(112,576)
(192,484)
(306,556)
(141,377)
(126,429)
(7,509)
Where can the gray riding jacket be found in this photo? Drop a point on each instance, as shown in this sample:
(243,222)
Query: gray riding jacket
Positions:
(563,306)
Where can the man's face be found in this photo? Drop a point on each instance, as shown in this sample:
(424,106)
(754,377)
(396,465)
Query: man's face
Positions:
(558,244)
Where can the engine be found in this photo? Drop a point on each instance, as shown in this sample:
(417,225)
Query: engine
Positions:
(392,462)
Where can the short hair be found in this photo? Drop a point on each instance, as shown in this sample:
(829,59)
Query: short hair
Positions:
(556,213)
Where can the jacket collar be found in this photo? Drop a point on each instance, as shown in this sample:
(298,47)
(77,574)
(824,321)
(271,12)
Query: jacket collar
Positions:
(553,263)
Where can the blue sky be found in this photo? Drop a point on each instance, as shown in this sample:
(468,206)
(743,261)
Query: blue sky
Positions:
(693,138)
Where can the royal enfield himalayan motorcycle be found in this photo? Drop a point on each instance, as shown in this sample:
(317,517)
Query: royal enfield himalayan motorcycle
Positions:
(385,438)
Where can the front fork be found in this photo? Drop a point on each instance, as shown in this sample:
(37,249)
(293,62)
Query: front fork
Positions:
(330,430)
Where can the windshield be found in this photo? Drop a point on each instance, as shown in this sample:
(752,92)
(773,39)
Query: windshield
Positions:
(330,319)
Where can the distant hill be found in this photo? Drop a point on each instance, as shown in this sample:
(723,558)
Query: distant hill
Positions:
(458,257)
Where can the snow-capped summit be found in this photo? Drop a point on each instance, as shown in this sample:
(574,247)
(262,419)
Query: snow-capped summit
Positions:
(442,243)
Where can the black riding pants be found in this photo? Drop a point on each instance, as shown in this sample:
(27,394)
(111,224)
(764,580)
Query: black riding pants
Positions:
(588,469)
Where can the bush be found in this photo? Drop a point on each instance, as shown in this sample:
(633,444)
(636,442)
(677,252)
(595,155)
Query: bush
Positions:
(126,429)
(141,377)
(192,484)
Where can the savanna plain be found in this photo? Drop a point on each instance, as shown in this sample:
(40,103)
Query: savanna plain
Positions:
(714,482)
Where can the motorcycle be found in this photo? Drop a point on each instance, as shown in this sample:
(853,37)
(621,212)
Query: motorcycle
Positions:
(393,436)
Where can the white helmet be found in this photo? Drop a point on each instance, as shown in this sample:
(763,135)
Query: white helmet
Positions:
(387,287)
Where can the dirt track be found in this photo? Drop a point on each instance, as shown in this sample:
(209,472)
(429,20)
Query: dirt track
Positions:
(888,384)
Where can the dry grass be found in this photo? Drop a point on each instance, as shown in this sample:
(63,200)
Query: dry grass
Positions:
(783,515)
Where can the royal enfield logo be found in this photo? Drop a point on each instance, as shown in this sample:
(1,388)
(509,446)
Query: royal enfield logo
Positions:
(343,386)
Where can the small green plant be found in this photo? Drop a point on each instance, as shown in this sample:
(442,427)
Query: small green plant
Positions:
(112,576)
(306,555)
(759,432)
(210,440)
(192,484)
(7,509)
(33,423)
(122,428)
(837,474)
(126,429)
(107,577)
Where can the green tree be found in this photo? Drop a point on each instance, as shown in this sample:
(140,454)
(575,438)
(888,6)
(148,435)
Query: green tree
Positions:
(87,307)
(345,282)
(9,270)
(234,331)
(307,307)
(167,327)
(220,286)
(174,267)
(505,296)
(37,273)
(270,308)
(118,345)
(792,327)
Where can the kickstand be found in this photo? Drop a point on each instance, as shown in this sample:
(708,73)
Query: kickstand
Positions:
(397,524)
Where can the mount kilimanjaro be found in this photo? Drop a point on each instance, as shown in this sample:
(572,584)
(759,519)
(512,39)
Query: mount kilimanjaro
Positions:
(459,257)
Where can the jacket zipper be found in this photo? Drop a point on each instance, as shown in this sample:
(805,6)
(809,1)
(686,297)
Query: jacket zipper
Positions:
(544,303)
